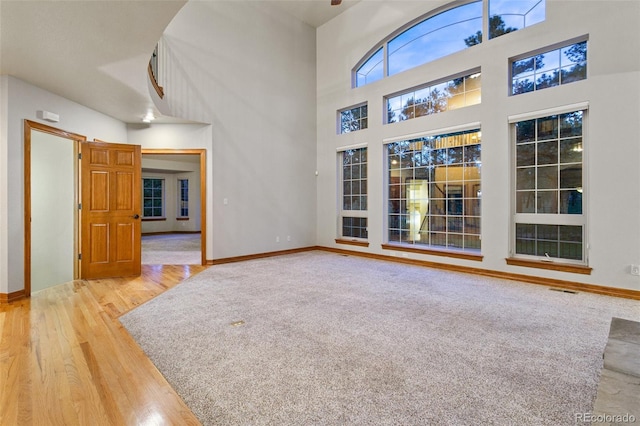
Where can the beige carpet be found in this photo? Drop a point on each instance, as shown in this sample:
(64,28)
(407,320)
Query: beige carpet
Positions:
(171,249)
(321,339)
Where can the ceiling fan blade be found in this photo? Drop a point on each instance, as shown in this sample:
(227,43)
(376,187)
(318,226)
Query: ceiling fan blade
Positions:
(335,2)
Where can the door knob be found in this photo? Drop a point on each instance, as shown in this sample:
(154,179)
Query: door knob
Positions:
(136,216)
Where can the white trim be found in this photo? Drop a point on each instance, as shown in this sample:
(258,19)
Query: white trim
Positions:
(581,106)
(560,219)
(358,105)
(461,74)
(445,130)
(550,48)
(348,147)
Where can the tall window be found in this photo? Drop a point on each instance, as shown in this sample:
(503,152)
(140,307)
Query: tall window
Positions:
(434,191)
(549,186)
(353,212)
(183,197)
(550,68)
(152,197)
(434,98)
(352,119)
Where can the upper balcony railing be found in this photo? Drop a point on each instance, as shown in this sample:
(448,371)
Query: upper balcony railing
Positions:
(154,71)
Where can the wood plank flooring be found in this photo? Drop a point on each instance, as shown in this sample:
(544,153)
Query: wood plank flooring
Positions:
(65,359)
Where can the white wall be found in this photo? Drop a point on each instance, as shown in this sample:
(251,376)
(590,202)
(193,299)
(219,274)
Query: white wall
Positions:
(53,207)
(250,72)
(22,101)
(4,185)
(244,68)
(171,171)
(178,136)
(612,87)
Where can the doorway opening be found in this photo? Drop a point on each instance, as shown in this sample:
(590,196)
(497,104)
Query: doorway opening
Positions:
(51,219)
(174,206)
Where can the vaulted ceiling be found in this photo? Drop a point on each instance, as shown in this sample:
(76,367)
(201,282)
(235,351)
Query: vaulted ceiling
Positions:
(96,52)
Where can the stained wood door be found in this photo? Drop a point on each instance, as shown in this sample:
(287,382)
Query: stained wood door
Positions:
(110,210)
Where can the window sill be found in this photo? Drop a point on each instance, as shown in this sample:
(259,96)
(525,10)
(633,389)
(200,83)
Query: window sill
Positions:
(153,219)
(358,243)
(182,218)
(554,266)
(434,252)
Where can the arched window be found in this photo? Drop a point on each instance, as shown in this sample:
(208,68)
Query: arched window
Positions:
(435,37)
(372,70)
(444,32)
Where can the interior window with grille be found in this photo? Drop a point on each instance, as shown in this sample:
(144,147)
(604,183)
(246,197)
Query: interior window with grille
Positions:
(152,198)
(183,198)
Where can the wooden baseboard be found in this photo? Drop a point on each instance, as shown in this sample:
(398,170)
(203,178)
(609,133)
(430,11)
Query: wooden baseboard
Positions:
(352,242)
(550,282)
(12,297)
(170,232)
(259,255)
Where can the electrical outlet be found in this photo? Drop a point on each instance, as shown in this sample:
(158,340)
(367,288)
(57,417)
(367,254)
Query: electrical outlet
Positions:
(288,237)
(635,270)
(277,239)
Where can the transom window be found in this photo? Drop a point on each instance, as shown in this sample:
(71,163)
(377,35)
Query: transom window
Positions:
(371,70)
(549,187)
(550,68)
(152,197)
(434,191)
(434,37)
(506,16)
(444,32)
(353,211)
(431,99)
(354,118)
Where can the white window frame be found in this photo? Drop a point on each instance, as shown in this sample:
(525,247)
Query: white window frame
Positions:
(342,213)
(542,51)
(465,75)
(180,200)
(164,204)
(474,126)
(383,45)
(551,218)
(360,119)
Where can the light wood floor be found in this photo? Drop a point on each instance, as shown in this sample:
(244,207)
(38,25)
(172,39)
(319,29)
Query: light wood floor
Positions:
(65,359)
